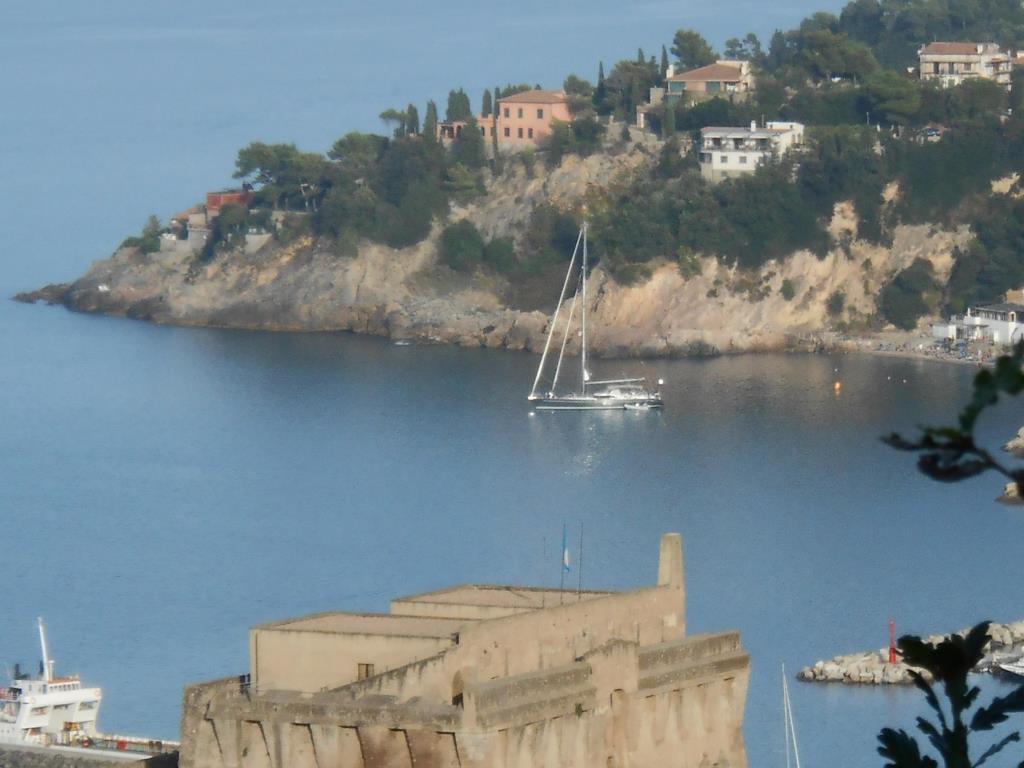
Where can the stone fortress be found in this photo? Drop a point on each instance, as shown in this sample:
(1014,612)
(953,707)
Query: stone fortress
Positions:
(480,675)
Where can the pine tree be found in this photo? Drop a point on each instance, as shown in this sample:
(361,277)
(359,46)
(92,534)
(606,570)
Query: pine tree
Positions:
(430,121)
(601,91)
(668,125)
(486,107)
(412,119)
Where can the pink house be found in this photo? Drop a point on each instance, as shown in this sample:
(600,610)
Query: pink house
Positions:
(527,117)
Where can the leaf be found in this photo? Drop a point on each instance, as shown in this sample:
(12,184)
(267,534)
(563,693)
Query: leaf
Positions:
(997,712)
(902,750)
(998,747)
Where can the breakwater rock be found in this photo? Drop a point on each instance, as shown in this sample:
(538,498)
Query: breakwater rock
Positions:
(1006,644)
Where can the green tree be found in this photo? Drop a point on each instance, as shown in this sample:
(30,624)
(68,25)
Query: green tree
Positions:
(461,247)
(149,242)
(469,146)
(358,153)
(459,109)
(904,300)
(668,125)
(395,120)
(835,304)
(892,98)
(486,106)
(663,69)
(788,291)
(691,49)
(430,121)
(412,119)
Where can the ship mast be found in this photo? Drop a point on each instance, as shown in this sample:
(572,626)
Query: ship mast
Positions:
(47,662)
(583,314)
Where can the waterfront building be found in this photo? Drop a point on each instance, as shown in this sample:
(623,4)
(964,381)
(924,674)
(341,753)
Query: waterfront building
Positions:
(1001,323)
(726,78)
(482,675)
(731,152)
(952,63)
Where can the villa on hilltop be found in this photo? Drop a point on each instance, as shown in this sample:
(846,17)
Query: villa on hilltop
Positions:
(730,152)
(726,78)
(482,676)
(521,119)
(952,63)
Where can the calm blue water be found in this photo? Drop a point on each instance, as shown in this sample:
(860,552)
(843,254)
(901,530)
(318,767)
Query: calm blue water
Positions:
(164,489)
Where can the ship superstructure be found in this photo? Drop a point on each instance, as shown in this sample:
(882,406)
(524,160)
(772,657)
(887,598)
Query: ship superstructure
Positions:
(45,709)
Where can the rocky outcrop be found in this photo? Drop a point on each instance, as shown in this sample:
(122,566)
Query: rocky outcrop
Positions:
(308,285)
(1006,645)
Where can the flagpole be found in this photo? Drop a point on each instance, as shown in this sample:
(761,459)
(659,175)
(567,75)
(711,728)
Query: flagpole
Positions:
(579,565)
(561,569)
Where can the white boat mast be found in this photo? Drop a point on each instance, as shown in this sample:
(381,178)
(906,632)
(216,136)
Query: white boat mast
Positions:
(47,663)
(787,715)
(554,319)
(565,340)
(583,314)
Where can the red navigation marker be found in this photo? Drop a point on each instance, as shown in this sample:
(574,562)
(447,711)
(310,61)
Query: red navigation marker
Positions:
(892,641)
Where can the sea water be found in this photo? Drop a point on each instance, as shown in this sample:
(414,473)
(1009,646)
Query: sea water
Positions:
(164,489)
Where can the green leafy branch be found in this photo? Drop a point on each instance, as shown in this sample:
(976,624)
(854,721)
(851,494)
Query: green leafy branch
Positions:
(950,454)
(948,663)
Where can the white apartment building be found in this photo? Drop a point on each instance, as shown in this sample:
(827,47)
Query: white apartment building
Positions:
(999,323)
(729,152)
(952,63)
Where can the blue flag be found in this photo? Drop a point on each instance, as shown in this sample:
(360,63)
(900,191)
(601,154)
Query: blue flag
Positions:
(565,551)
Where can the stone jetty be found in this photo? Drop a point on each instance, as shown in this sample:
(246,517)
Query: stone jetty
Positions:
(1006,644)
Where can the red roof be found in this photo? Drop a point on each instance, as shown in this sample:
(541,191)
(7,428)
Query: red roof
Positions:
(711,72)
(951,49)
(534,97)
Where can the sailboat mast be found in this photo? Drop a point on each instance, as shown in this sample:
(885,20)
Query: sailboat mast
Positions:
(47,666)
(583,314)
(554,319)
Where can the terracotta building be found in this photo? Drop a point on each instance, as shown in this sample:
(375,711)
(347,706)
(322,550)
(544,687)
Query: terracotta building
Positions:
(952,63)
(527,117)
(482,675)
(726,78)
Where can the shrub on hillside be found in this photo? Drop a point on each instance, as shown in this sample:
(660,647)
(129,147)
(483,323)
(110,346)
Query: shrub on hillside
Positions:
(904,300)
(461,246)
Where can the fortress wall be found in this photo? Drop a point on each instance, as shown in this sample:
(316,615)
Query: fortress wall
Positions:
(301,660)
(558,636)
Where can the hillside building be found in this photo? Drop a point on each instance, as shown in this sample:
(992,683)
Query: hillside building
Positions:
(730,152)
(726,78)
(482,675)
(952,63)
(522,119)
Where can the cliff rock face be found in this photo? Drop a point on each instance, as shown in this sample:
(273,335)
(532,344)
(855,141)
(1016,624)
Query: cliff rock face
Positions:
(306,285)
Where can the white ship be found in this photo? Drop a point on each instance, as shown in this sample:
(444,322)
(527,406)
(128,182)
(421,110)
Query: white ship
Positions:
(47,711)
(613,394)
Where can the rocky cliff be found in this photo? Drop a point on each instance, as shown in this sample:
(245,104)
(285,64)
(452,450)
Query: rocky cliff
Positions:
(307,285)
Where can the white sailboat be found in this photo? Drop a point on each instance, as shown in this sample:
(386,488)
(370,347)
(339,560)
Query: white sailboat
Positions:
(611,394)
(787,724)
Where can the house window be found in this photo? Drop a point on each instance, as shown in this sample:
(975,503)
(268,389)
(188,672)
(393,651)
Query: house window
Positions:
(483,131)
(540,114)
(724,159)
(507,134)
(743,159)
(967,66)
(952,68)
(520,133)
(530,133)
(520,111)
(935,71)
(364,671)
(506,111)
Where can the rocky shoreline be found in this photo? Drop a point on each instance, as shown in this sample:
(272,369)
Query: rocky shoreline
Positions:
(1006,646)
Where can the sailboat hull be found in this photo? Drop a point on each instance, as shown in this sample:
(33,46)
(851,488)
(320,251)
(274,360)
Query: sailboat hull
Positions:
(590,403)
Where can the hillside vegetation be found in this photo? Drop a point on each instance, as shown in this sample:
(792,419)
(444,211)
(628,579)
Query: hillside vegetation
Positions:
(844,76)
